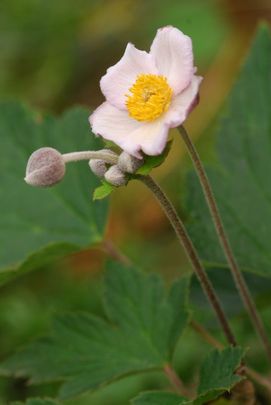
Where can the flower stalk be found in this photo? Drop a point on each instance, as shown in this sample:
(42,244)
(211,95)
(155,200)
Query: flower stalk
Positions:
(105,155)
(225,244)
(191,253)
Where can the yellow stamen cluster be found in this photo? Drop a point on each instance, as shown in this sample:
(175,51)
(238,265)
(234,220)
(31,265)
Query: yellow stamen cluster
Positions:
(149,97)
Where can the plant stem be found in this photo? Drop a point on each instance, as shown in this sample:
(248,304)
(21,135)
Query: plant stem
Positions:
(106,156)
(225,244)
(176,381)
(191,253)
(112,251)
(115,253)
(206,335)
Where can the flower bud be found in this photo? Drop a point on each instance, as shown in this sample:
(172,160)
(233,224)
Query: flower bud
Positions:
(98,167)
(45,168)
(128,163)
(115,176)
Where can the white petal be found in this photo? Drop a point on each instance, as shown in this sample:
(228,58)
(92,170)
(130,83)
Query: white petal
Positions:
(119,78)
(173,54)
(151,137)
(131,135)
(111,123)
(183,104)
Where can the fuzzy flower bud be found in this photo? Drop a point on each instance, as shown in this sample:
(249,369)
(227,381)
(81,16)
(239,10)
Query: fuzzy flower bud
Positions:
(98,167)
(45,168)
(128,163)
(115,176)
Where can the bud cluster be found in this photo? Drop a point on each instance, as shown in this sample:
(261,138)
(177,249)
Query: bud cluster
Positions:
(46,166)
(117,173)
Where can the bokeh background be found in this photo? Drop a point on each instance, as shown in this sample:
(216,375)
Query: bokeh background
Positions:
(52,56)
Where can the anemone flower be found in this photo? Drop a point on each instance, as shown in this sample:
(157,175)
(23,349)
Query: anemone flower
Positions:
(147,94)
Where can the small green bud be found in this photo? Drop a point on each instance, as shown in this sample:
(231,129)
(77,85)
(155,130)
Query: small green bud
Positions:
(45,168)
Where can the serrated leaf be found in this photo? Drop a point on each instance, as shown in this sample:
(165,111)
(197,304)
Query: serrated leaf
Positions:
(217,373)
(216,377)
(158,398)
(37,401)
(241,180)
(40,225)
(86,352)
(150,162)
(103,191)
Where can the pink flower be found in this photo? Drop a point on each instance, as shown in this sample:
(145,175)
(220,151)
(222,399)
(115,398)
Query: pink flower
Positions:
(147,94)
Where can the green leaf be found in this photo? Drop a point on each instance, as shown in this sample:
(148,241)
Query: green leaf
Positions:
(37,401)
(40,225)
(86,352)
(216,377)
(150,162)
(217,373)
(158,398)
(241,180)
(103,191)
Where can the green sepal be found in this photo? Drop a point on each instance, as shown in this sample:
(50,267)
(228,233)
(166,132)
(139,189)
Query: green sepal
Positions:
(103,191)
(150,162)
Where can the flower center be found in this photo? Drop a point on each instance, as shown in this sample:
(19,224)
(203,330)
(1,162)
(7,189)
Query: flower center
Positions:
(149,97)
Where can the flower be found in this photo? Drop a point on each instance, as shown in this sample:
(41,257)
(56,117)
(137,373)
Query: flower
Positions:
(147,94)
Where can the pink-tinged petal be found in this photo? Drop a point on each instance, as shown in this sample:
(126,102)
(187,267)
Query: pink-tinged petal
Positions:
(173,54)
(183,104)
(131,135)
(115,84)
(111,123)
(151,138)
(116,125)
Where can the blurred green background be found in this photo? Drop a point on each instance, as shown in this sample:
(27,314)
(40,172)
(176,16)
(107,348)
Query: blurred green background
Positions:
(53,54)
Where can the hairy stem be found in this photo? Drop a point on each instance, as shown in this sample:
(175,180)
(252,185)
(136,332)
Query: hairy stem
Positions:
(175,381)
(107,156)
(225,244)
(191,253)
